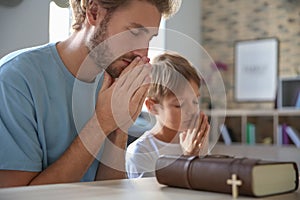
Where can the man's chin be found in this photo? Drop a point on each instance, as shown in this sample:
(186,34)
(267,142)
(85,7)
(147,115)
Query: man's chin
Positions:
(112,73)
(115,69)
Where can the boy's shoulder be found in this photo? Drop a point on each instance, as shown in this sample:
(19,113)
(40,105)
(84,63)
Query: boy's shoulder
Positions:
(145,141)
(145,137)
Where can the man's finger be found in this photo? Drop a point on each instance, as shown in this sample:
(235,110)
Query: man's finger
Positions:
(138,99)
(137,61)
(140,78)
(107,82)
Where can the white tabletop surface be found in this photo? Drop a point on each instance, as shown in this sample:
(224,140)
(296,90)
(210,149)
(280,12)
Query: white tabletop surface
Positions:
(134,189)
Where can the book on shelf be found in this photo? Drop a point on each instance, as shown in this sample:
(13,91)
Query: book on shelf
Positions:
(279,135)
(250,134)
(225,174)
(285,138)
(225,134)
(297,104)
(293,135)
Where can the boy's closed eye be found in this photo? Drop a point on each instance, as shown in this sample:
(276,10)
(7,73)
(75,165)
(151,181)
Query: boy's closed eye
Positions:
(177,106)
(196,102)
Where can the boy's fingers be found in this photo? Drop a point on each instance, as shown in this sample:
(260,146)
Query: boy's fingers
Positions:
(205,134)
(181,137)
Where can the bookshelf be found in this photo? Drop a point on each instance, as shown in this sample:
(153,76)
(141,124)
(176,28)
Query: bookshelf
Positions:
(268,145)
(265,125)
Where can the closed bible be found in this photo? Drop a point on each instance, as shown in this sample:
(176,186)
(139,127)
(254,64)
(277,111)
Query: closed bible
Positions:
(254,177)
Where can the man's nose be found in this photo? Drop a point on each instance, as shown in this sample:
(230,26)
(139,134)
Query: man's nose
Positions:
(141,52)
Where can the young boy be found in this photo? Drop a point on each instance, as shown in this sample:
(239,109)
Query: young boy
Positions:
(173,98)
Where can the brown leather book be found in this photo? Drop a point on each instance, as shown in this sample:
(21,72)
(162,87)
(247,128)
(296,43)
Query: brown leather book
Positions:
(254,177)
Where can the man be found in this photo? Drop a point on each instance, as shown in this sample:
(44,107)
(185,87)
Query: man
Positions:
(43,136)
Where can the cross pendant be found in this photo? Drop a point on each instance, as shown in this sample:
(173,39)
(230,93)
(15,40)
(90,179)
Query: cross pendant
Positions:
(234,182)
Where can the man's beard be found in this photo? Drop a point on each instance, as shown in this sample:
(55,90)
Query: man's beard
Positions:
(99,49)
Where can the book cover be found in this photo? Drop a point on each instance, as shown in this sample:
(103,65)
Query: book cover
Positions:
(256,178)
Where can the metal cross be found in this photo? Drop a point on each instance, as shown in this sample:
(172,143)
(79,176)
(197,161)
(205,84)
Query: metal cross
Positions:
(235,183)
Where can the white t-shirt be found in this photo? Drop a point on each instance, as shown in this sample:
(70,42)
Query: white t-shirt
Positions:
(141,155)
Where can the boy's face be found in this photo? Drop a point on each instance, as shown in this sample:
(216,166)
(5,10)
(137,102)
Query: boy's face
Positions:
(178,111)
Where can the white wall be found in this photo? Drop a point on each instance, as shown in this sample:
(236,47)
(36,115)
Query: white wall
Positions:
(28,25)
(25,25)
(187,20)
(185,24)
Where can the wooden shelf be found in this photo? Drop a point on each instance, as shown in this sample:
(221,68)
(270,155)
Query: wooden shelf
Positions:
(265,123)
(266,152)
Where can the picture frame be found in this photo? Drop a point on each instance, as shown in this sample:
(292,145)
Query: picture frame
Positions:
(256,69)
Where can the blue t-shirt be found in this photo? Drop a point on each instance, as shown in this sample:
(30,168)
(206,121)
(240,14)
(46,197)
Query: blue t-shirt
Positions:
(39,114)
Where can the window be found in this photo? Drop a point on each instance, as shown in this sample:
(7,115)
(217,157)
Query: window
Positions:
(59,22)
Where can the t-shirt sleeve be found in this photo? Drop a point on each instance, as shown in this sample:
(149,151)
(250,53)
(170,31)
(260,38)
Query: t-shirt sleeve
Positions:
(20,147)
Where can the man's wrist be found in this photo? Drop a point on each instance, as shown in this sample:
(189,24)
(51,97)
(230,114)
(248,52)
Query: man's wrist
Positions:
(119,138)
(104,125)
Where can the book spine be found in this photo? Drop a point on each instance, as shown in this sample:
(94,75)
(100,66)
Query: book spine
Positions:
(297,104)
(293,135)
(285,138)
(279,135)
(225,134)
(250,137)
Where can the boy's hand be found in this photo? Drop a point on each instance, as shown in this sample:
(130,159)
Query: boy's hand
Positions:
(194,140)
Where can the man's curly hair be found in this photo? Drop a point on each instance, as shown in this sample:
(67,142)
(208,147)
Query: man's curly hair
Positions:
(166,7)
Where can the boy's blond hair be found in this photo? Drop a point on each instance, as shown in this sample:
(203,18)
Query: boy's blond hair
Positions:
(166,7)
(170,74)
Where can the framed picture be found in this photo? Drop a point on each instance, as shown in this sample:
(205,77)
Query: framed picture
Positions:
(256,69)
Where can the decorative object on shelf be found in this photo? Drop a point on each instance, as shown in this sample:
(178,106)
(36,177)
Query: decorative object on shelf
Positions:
(216,65)
(256,69)
(209,80)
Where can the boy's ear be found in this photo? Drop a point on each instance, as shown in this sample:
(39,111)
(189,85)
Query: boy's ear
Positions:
(95,13)
(152,106)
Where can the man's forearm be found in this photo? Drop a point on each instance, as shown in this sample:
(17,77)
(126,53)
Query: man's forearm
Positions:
(76,160)
(112,164)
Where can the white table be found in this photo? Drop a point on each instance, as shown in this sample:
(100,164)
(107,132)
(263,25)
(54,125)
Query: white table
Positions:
(134,189)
